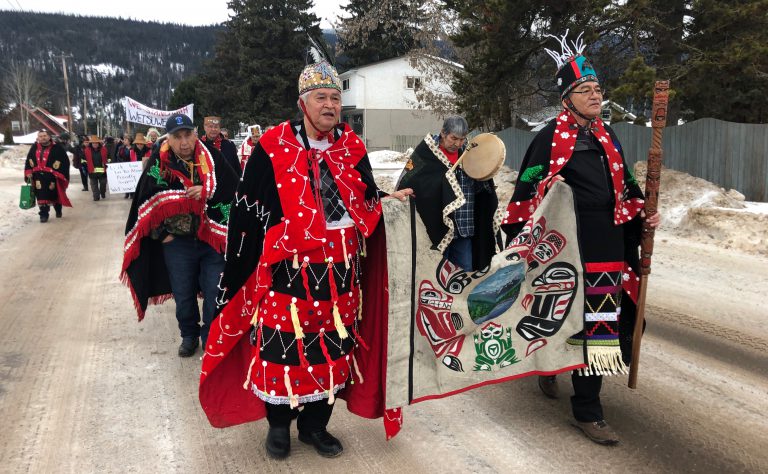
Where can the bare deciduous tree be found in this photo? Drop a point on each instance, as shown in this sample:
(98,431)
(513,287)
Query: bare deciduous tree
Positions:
(22,87)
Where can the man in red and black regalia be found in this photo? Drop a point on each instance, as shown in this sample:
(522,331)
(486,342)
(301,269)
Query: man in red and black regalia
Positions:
(578,148)
(254,133)
(96,159)
(292,318)
(213,138)
(176,230)
(47,168)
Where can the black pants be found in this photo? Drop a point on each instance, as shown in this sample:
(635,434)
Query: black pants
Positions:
(98,186)
(313,417)
(45,209)
(585,402)
(84,177)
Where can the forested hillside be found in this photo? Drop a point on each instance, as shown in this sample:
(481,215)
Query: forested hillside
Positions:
(109,58)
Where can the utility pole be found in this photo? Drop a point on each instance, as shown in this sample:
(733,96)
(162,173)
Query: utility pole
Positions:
(66,88)
(85,114)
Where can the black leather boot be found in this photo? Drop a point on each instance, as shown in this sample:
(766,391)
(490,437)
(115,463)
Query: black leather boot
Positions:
(278,442)
(325,444)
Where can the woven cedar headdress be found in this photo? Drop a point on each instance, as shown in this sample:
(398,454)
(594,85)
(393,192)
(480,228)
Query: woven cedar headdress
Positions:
(573,67)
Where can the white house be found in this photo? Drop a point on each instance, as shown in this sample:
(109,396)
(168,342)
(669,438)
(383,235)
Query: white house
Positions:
(379,103)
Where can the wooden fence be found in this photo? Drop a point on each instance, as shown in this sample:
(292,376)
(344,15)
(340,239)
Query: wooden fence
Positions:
(732,155)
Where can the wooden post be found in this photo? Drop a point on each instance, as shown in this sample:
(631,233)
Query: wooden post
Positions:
(652,181)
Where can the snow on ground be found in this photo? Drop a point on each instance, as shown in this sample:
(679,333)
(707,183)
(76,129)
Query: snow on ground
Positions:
(104,69)
(28,139)
(704,212)
(12,218)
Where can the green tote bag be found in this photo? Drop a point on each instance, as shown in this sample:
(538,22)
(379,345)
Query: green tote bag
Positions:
(27,197)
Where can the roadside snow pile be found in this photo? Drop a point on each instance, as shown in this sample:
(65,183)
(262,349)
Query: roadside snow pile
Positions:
(386,158)
(14,156)
(387,166)
(11,178)
(702,211)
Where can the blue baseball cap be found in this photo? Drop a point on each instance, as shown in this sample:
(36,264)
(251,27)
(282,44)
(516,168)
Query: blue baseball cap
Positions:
(178,122)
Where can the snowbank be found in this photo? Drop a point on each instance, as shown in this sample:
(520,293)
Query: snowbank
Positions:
(11,178)
(704,212)
(26,139)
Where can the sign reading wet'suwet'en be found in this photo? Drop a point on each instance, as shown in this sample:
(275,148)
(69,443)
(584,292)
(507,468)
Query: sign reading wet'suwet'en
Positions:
(137,112)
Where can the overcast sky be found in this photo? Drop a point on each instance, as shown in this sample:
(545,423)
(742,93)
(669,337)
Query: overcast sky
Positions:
(205,12)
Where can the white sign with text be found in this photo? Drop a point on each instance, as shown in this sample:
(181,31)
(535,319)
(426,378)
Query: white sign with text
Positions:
(123,177)
(137,112)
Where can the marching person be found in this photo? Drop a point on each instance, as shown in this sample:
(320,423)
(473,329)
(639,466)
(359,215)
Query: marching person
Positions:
(579,149)
(65,140)
(176,230)
(78,161)
(152,137)
(214,139)
(140,151)
(96,159)
(457,210)
(47,169)
(292,283)
(137,151)
(254,133)
(123,150)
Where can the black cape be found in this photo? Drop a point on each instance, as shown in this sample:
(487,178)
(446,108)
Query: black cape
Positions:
(433,193)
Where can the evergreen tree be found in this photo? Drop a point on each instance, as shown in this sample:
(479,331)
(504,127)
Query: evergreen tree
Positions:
(377,30)
(636,89)
(259,56)
(507,72)
(273,38)
(727,74)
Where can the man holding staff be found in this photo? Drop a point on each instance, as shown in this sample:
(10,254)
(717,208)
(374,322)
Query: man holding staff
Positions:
(578,148)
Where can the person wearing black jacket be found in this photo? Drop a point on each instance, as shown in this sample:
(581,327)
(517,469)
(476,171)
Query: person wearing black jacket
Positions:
(47,169)
(213,138)
(458,211)
(78,161)
(176,230)
(579,149)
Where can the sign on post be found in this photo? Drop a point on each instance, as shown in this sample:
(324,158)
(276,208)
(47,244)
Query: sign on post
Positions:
(123,177)
(137,112)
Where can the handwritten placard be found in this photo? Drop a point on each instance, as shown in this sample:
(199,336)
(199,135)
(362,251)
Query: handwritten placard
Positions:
(123,177)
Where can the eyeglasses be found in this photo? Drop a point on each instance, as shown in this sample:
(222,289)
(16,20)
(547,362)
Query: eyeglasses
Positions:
(597,90)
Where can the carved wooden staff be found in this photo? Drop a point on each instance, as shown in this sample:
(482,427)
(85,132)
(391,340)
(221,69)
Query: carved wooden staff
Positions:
(652,179)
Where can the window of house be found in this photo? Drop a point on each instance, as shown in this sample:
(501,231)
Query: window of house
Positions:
(606,114)
(412,82)
(15,125)
(345,85)
(412,61)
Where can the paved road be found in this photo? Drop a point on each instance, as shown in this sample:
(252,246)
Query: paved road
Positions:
(85,388)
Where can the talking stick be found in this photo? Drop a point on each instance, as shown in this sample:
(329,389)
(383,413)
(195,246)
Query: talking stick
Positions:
(652,179)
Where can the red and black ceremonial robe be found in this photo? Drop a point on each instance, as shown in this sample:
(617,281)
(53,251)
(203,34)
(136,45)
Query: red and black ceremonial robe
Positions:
(161,193)
(48,168)
(274,224)
(227,148)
